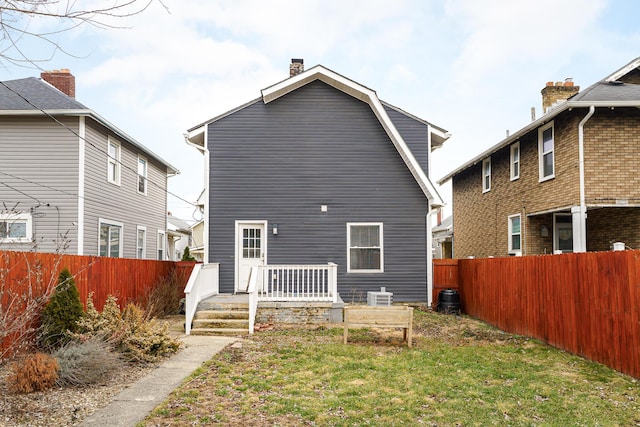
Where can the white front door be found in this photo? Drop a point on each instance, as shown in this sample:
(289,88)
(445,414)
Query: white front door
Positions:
(251,250)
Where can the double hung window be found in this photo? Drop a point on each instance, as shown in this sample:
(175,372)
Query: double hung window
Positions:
(486,174)
(515,161)
(546,152)
(110,239)
(113,162)
(515,235)
(142,175)
(141,242)
(365,247)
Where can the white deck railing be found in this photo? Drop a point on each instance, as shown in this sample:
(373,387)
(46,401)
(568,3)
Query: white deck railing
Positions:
(298,283)
(203,283)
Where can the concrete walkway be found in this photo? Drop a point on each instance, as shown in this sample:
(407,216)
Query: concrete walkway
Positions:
(135,402)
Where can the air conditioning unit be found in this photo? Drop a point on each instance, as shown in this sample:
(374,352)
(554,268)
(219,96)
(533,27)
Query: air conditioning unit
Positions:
(381,298)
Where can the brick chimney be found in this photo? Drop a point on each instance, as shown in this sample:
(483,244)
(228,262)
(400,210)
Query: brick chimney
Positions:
(553,93)
(62,79)
(296,67)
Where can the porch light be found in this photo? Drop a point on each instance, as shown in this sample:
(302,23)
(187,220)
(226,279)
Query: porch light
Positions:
(274,229)
(544,231)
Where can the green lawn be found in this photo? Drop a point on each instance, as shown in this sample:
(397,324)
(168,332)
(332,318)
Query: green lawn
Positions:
(460,372)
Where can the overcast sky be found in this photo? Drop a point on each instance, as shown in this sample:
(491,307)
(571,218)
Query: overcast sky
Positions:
(472,67)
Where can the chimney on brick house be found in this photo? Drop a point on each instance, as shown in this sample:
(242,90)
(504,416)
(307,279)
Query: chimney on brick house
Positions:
(296,67)
(553,93)
(62,79)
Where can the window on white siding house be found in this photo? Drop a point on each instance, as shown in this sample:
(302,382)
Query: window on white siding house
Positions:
(486,174)
(142,175)
(515,161)
(110,239)
(515,235)
(113,163)
(365,247)
(15,227)
(161,245)
(546,152)
(141,242)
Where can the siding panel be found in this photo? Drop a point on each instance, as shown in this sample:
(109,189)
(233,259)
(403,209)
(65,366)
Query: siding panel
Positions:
(316,146)
(38,172)
(122,203)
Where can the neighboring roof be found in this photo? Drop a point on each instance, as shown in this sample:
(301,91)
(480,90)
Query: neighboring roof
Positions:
(608,92)
(178,224)
(32,96)
(196,134)
(444,226)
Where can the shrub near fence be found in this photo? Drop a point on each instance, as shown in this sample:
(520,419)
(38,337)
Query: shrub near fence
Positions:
(587,303)
(130,280)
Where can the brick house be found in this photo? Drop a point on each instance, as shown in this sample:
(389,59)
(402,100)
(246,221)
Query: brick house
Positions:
(567,182)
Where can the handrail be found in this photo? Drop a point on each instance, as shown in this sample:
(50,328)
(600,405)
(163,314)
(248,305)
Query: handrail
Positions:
(203,283)
(253,298)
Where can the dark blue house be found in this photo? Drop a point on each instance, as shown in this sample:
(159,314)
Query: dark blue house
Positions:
(319,183)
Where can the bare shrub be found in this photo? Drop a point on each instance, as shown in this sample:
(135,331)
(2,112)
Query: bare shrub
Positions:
(36,372)
(86,362)
(164,299)
(25,288)
(131,332)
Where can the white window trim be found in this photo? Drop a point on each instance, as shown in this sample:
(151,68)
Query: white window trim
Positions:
(116,162)
(515,147)
(140,228)
(146,173)
(101,222)
(486,187)
(541,154)
(513,251)
(379,224)
(162,238)
(18,217)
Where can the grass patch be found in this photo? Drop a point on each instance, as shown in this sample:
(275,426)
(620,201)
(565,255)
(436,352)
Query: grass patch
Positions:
(460,372)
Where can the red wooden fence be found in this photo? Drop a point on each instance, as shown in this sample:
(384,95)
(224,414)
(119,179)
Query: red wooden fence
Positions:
(445,276)
(32,273)
(587,304)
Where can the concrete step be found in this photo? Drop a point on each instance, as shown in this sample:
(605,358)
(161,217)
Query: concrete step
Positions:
(220,331)
(227,306)
(222,314)
(220,323)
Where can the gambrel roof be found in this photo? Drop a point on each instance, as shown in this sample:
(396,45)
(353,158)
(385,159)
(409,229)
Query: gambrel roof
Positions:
(438,135)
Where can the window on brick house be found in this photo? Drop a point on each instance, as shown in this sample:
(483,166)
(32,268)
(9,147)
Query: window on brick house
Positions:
(486,174)
(515,235)
(546,152)
(515,161)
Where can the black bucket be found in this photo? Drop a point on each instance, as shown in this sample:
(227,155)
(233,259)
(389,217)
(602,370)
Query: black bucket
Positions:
(448,302)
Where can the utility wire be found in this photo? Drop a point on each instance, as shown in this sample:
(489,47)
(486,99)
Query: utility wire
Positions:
(135,171)
(99,201)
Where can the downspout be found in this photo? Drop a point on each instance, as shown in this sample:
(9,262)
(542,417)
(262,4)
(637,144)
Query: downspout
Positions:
(581,226)
(428,218)
(205,231)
